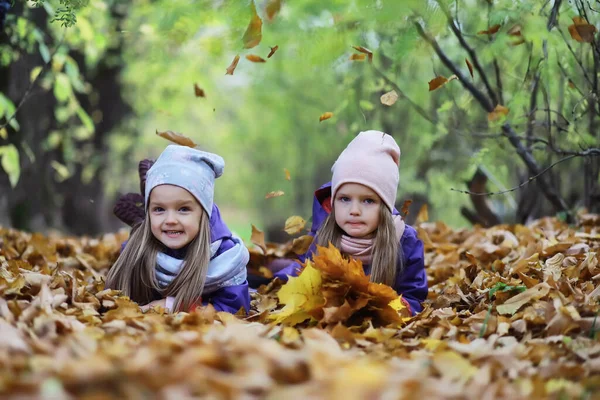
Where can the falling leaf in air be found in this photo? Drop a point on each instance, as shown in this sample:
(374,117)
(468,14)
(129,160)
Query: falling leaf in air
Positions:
(440,81)
(258,238)
(176,138)
(272,8)
(490,31)
(514,31)
(389,98)
(325,116)
(357,57)
(497,113)
(582,31)
(233,65)
(366,51)
(255,58)
(294,225)
(405,207)
(276,193)
(470,66)
(423,215)
(253,34)
(301,244)
(288,176)
(198,91)
(273,50)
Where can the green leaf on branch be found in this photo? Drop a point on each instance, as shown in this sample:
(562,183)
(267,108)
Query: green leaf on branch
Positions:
(9,156)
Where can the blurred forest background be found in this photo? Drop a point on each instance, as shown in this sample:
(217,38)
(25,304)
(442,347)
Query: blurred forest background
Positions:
(490,94)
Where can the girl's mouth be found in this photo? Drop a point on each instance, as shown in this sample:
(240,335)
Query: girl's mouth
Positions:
(173,233)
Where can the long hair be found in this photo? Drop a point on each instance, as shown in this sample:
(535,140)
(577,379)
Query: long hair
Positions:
(387,258)
(134,271)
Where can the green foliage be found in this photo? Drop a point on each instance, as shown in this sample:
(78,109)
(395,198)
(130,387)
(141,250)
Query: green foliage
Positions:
(9,160)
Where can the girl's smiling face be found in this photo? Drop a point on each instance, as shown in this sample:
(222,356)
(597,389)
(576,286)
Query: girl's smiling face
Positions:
(174,216)
(357,210)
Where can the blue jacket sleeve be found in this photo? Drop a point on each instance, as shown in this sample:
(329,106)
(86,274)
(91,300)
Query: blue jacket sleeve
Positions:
(230,299)
(412,283)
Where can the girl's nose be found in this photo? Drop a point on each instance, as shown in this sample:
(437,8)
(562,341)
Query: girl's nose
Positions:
(354,208)
(170,219)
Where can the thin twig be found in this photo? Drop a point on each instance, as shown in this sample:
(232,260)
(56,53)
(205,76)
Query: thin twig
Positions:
(554,14)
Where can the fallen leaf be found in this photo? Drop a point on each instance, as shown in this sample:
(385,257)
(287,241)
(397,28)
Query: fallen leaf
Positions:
(294,225)
(199,92)
(513,304)
(325,116)
(288,176)
(253,34)
(389,98)
(498,112)
(582,31)
(255,58)
(276,193)
(272,8)
(233,65)
(470,66)
(258,238)
(493,29)
(273,50)
(357,57)
(176,138)
(366,51)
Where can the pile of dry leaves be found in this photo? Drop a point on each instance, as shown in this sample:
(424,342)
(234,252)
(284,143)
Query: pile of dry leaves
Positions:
(512,313)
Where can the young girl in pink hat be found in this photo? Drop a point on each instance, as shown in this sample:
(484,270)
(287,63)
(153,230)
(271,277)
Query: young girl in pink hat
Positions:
(355,212)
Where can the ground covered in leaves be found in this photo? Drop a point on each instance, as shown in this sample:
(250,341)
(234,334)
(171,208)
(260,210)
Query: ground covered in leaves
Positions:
(512,313)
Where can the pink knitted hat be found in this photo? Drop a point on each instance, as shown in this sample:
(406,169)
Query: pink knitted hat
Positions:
(371,159)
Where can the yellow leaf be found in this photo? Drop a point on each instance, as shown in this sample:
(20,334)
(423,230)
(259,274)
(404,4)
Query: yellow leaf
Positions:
(300,295)
(453,366)
(389,98)
(397,304)
(325,116)
(288,176)
(294,225)
(498,112)
(423,215)
(276,193)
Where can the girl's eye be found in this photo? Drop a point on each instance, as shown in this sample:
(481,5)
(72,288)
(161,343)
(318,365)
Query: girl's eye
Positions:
(369,201)
(184,209)
(344,198)
(158,209)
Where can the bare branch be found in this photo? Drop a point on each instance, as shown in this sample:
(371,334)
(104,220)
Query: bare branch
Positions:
(554,14)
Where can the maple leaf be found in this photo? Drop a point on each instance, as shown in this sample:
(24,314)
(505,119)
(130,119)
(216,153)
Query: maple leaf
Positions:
(294,225)
(176,138)
(389,98)
(253,34)
(301,295)
(233,65)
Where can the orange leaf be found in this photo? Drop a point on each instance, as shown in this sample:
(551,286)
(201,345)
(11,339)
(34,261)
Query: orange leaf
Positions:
(498,112)
(274,194)
(405,207)
(255,58)
(389,98)
(582,31)
(357,57)
(233,65)
(253,34)
(199,92)
(518,42)
(470,66)
(491,30)
(288,176)
(176,138)
(514,31)
(300,245)
(272,8)
(273,50)
(325,116)
(364,50)
(258,238)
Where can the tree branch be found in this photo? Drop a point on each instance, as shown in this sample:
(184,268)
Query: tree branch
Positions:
(554,15)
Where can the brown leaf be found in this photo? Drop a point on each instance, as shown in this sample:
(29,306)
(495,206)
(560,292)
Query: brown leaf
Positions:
(357,57)
(288,176)
(498,112)
(176,138)
(253,34)
(294,225)
(325,116)
(273,50)
(423,215)
(490,31)
(258,238)
(405,207)
(233,65)
(364,50)
(199,92)
(276,193)
(301,245)
(272,8)
(389,98)
(514,31)
(255,58)
(440,81)
(582,31)
(470,66)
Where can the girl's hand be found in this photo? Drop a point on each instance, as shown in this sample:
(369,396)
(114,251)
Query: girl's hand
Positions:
(161,303)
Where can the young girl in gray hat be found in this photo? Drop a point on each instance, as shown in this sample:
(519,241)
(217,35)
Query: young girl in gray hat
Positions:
(182,255)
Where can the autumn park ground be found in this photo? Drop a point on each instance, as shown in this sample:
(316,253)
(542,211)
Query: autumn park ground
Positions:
(511,313)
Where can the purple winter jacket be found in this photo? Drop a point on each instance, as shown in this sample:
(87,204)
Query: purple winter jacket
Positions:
(411,284)
(230,298)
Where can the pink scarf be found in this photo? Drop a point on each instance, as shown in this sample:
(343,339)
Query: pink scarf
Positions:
(362,249)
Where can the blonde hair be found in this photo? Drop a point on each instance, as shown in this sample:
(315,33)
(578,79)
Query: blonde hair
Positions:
(134,271)
(387,260)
